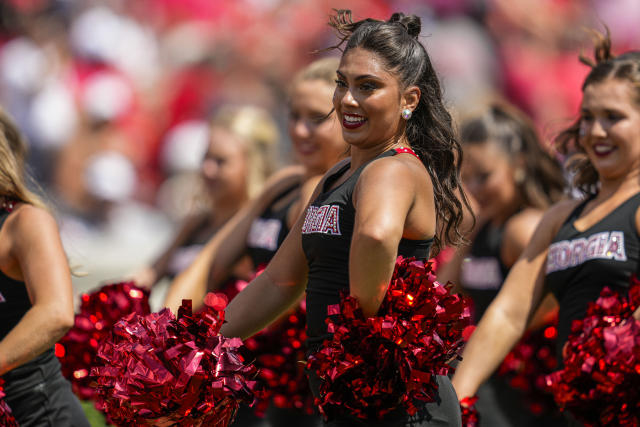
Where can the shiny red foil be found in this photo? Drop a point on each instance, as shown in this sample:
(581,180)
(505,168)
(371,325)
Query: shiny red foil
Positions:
(600,382)
(526,367)
(470,416)
(160,369)
(99,311)
(376,365)
(6,417)
(279,354)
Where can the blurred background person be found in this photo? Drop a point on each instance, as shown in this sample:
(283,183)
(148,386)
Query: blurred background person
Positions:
(260,229)
(513,179)
(239,158)
(36,300)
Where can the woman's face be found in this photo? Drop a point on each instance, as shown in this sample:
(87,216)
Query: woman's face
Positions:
(316,136)
(225,166)
(488,175)
(367,99)
(610,128)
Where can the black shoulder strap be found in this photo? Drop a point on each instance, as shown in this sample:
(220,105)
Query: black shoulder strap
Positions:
(3,217)
(575,213)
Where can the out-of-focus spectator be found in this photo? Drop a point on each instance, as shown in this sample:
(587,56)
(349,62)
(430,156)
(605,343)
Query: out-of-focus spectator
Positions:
(237,159)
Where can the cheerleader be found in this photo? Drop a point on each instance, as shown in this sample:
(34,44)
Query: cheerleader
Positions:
(259,229)
(239,158)
(579,246)
(514,180)
(36,298)
(399,187)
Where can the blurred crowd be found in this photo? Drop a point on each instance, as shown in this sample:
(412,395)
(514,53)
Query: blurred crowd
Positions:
(116,96)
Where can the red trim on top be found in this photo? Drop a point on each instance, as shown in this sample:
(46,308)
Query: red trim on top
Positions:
(406,150)
(7,205)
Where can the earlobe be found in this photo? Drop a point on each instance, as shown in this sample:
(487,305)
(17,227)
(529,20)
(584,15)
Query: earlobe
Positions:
(411,97)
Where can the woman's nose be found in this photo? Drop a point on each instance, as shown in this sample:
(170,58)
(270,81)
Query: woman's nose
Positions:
(209,168)
(301,128)
(348,99)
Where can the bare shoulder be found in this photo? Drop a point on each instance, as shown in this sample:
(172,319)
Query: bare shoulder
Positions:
(28,223)
(285,173)
(524,221)
(517,232)
(27,218)
(556,215)
(398,169)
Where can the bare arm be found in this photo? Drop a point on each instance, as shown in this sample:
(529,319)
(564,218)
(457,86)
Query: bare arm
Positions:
(41,263)
(149,275)
(277,289)
(273,292)
(220,253)
(381,212)
(506,318)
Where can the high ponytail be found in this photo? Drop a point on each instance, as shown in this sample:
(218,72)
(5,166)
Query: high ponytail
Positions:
(429,131)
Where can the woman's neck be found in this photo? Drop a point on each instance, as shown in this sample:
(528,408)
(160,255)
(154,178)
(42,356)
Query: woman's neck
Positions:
(623,187)
(360,156)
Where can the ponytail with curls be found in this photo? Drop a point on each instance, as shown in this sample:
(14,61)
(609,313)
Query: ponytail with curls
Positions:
(429,131)
(604,66)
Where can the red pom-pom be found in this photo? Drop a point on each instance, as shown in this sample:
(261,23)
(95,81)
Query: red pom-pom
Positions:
(278,352)
(600,381)
(470,416)
(99,311)
(372,366)
(6,417)
(526,367)
(163,369)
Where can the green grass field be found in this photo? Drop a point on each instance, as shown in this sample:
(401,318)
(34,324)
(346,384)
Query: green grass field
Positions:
(95,417)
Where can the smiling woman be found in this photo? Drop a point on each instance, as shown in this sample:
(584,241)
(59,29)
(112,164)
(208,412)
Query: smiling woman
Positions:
(398,194)
(564,256)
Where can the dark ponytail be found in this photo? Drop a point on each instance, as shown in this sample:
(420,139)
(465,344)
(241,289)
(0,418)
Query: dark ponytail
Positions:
(429,131)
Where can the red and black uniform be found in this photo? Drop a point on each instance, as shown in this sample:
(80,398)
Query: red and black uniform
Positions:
(483,271)
(269,230)
(36,391)
(581,263)
(326,241)
(481,276)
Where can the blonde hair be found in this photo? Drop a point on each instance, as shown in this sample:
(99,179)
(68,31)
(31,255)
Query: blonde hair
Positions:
(323,69)
(256,126)
(13,151)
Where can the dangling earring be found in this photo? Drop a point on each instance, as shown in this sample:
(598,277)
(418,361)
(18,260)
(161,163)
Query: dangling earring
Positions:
(519,175)
(406,114)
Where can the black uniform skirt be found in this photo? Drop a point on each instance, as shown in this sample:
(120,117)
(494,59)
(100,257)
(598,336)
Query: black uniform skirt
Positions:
(40,396)
(443,412)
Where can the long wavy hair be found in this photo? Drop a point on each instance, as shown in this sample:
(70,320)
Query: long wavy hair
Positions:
(13,176)
(604,66)
(542,182)
(430,131)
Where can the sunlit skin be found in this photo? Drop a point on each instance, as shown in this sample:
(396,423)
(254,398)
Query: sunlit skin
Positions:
(315,134)
(610,130)
(224,167)
(369,100)
(488,175)
(610,135)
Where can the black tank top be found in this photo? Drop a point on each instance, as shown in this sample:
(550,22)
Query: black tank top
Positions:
(269,230)
(326,240)
(14,299)
(581,264)
(483,272)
